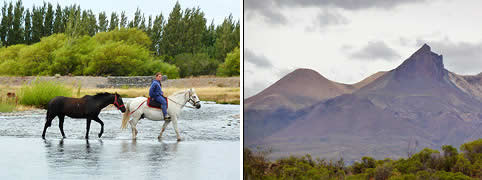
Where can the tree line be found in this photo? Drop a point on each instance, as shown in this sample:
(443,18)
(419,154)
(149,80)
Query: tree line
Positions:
(447,164)
(183,38)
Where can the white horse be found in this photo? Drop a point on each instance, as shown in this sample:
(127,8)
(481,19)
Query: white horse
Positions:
(138,108)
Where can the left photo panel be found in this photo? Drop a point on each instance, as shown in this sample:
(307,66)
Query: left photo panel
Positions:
(103,90)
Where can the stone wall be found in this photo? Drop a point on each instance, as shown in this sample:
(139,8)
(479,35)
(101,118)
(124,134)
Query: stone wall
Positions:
(132,81)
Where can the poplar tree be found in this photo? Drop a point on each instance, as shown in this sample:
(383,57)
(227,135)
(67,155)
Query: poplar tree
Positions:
(37,23)
(103,22)
(172,34)
(114,22)
(123,20)
(17,24)
(8,38)
(49,20)
(28,28)
(156,34)
(58,26)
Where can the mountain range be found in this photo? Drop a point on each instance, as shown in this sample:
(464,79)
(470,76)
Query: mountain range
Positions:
(388,114)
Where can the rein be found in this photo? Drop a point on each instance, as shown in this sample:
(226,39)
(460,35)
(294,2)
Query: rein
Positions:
(184,105)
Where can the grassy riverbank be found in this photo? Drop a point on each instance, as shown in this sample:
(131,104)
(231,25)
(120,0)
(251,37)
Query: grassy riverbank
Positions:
(221,95)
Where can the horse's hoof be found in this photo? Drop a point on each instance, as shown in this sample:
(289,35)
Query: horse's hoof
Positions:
(43,137)
(100,135)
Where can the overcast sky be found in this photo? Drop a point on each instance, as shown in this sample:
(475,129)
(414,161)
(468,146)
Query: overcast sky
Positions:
(212,9)
(346,40)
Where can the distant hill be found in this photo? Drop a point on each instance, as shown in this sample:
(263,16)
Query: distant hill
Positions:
(270,110)
(419,103)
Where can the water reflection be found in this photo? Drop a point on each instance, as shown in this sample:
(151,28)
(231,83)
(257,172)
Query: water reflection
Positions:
(118,159)
(77,157)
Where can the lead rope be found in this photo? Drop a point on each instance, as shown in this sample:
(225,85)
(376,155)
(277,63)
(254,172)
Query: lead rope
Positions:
(182,105)
(137,108)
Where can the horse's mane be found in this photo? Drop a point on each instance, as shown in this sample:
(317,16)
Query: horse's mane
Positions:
(179,92)
(102,94)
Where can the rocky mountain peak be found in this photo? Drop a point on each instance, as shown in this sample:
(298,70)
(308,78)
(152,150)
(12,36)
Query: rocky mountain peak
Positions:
(422,64)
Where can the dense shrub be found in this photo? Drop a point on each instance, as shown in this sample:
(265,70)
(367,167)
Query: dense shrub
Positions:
(130,36)
(195,64)
(119,53)
(231,65)
(6,107)
(426,164)
(39,93)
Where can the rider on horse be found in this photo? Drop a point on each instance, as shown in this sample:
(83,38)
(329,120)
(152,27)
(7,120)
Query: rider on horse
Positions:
(155,92)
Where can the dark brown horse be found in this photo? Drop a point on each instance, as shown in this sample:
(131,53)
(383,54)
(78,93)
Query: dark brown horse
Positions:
(86,107)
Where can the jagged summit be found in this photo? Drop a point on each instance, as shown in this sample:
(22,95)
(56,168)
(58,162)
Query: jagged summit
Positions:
(422,64)
(424,49)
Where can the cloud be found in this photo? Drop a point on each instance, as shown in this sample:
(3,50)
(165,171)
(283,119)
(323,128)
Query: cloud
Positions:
(270,10)
(266,10)
(347,4)
(375,50)
(459,57)
(327,18)
(253,88)
(283,72)
(258,60)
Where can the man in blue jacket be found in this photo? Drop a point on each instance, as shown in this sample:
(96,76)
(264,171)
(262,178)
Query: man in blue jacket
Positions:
(156,93)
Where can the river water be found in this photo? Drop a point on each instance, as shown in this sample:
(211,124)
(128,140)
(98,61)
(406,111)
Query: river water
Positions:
(210,148)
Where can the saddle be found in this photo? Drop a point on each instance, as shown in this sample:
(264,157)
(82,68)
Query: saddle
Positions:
(154,104)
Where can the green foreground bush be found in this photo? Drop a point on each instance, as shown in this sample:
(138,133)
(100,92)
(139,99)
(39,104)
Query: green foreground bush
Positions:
(447,164)
(39,93)
(7,107)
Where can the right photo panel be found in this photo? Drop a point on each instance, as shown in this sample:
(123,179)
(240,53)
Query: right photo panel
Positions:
(362,90)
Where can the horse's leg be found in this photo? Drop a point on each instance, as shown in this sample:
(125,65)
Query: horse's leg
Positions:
(163,128)
(101,125)
(133,123)
(61,125)
(48,123)
(87,128)
(174,123)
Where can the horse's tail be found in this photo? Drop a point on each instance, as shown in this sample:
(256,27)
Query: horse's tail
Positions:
(126,116)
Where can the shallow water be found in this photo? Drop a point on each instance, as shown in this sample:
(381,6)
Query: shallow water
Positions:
(209,150)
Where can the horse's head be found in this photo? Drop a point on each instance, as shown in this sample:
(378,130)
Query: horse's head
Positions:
(118,103)
(194,99)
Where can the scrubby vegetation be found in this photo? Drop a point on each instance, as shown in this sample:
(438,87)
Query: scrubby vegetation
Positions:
(39,93)
(46,40)
(6,107)
(447,164)
(230,67)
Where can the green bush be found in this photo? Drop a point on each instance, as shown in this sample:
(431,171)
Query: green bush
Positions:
(9,60)
(195,64)
(117,59)
(151,67)
(362,176)
(36,59)
(231,66)
(39,93)
(6,107)
(130,36)
(74,57)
